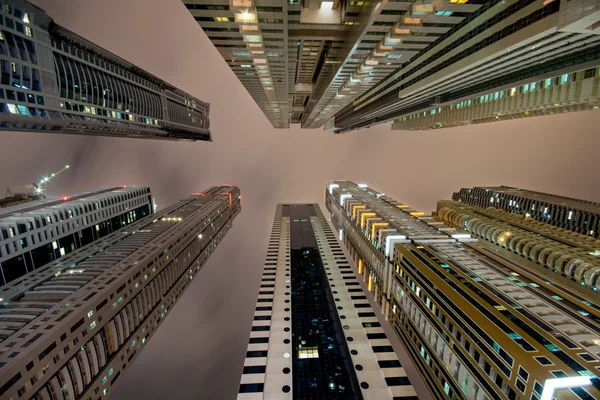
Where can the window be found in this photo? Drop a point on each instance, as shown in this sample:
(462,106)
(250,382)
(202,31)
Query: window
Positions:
(255,369)
(389,364)
(382,349)
(256,353)
(261,328)
(372,336)
(397,381)
(544,361)
(523,373)
(251,387)
(221,19)
(259,340)
(308,352)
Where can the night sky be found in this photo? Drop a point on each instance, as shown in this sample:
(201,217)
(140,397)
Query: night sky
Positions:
(199,351)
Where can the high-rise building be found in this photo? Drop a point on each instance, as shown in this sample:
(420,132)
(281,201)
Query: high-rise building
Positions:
(478,320)
(314,334)
(575,215)
(570,257)
(507,59)
(35,233)
(303,61)
(71,329)
(55,81)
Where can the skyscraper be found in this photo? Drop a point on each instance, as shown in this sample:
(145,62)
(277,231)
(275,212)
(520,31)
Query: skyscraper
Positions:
(575,215)
(53,80)
(507,59)
(314,334)
(71,329)
(478,321)
(571,258)
(36,233)
(303,61)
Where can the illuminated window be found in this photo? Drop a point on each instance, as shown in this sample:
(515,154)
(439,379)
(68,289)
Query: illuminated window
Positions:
(12,108)
(28,31)
(25,18)
(23,110)
(458,1)
(564,79)
(93,325)
(308,352)
(246,66)
(443,13)
(221,19)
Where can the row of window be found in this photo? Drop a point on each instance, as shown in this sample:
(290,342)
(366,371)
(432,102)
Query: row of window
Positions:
(19,76)
(518,25)
(17,46)
(80,82)
(583,222)
(84,367)
(529,87)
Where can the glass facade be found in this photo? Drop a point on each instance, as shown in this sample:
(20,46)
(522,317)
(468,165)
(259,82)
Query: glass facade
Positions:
(322,368)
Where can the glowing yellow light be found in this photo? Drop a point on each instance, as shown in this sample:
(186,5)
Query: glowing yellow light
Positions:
(360,266)
(417,213)
(403,206)
(362,218)
(375,225)
(355,208)
(503,237)
(370,286)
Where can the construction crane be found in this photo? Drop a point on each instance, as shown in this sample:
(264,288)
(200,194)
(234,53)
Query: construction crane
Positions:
(26,193)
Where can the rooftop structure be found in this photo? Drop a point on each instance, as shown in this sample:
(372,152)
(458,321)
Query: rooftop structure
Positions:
(58,82)
(34,233)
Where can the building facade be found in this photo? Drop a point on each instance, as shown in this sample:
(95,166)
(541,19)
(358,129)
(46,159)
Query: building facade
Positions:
(580,216)
(572,258)
(53,80)
(508,59)
(478,322)
(70,329)
(314,334)
(303,61)
(571,91)
(36,233)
